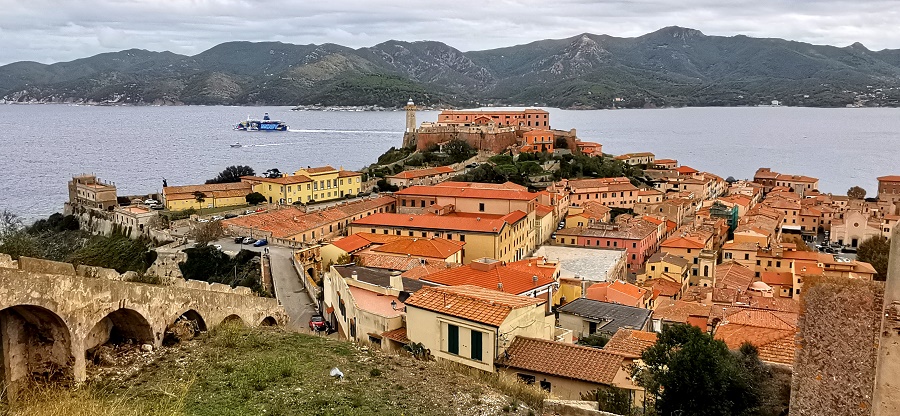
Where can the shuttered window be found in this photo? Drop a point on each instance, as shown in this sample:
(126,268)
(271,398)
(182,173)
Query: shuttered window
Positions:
(476,345)
(453,339)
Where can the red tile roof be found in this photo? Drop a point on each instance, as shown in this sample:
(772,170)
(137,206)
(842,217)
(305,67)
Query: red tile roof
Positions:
(630,342)
(320,169)
(492,224)
(686,170)
(398,335)
(542,210)
(437,248)
(514,278)
(680,311)
(445,190)
(284,223)
(352,243)
(471,302)
(617,292)
(732,275)
(889,178)
(682,242)
(775,278)
(562,360)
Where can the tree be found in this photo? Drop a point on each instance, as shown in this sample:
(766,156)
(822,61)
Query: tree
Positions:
(200,197)
(875,251)
(273,173)
(561,143)
(384,186)
(459,150)
(205,232)
(232,174)
(856,192)
(10,223)
(255,198)
(687,372)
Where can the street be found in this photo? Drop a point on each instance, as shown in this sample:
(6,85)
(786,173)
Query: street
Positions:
(289,288)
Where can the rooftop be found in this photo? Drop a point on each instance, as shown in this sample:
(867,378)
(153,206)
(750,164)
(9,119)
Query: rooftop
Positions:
(438,248)
(613,316)
(515,278)
(486,223)
(378,277)
(462,190)
(473,303)
(588,263)
(284,223)
(376,303)
(630,342)
(562,360)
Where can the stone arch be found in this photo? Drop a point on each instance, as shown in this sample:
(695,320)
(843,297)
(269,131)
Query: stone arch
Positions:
(311,273)
(184,327)
(36,342)
(269,321)
(119,326)
(234,319)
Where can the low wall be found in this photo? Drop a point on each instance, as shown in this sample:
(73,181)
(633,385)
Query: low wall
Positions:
(573,408)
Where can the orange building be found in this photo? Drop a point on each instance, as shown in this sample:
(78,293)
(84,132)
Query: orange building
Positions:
(529,117)
(537,141)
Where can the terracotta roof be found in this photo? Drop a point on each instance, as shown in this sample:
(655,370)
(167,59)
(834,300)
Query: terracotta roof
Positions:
(514,278)
(375,302)
(480,185)
(471,302)
(422,173)
(438,248)
(663,287)
(351,243)
(398,335)
(284,223)
(422,270)
(386,261)
(774,345)
(686,170)
(542,210)
(630,342)
(732,275)
(774,278)
(680,311)
(889,178)
(665,161)
(492,224)
(562,360)
(320,169)
(662,256)
(348,173)
(284,180)
(467,192)
(682,242)
(213,190)
(616,292)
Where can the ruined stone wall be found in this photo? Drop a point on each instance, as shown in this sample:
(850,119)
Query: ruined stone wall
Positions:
(834,369)
(887,379)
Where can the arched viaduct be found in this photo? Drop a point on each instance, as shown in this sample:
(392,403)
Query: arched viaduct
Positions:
(51,315)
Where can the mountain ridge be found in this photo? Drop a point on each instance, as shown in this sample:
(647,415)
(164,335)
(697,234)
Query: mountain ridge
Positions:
(672,66)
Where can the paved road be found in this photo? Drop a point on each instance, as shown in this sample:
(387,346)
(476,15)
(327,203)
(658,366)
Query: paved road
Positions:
(289,288)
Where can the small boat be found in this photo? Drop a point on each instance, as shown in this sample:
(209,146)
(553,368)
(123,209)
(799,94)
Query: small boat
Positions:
(237,145)
(266,124)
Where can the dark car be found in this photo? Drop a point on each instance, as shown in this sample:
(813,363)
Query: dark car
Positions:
(317,323)
(260,243)
(229,216)
(238,240)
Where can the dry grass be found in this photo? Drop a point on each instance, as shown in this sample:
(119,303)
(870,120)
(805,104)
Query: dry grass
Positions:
(52,400)
(509,385)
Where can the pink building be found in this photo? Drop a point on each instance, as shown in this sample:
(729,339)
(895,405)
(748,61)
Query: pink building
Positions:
(637,238)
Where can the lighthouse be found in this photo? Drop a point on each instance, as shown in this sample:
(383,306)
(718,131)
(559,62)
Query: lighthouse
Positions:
(410,116)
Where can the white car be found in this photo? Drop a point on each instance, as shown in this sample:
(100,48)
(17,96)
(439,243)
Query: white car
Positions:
(150,202)
(218,247)
(202,220)
(217,218)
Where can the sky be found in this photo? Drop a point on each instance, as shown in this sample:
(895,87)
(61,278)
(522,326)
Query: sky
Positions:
(52,31)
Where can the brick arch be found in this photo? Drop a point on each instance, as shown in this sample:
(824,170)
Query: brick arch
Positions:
(37,342)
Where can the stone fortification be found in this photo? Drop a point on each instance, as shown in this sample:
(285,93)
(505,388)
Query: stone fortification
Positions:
(887,379)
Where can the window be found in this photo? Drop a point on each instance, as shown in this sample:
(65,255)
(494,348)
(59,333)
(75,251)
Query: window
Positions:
(462,237)
(545,385)
(476,345)
(526,378)
(423,203)
(747,256)
(777,264)
(666,269)
(453,339)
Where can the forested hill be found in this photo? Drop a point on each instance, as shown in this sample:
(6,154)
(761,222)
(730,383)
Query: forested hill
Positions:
(670,67)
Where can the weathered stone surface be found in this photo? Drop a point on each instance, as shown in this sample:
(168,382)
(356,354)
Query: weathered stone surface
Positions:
(48,320)
(887,380)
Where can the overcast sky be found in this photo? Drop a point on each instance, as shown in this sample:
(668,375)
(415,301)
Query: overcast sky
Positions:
(61,30)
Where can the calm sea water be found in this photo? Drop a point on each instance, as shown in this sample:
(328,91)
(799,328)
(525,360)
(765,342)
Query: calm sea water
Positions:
(42,146)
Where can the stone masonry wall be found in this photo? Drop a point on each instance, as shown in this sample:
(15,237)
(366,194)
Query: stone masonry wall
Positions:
(834,369)
(887,379)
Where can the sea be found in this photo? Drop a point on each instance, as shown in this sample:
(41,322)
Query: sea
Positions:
(43,146)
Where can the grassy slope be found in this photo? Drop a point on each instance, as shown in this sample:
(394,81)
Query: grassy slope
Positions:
(235,371)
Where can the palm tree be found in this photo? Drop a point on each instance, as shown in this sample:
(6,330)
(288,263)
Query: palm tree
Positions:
(200,197)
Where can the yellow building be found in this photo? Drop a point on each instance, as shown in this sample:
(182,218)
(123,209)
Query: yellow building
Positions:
(308,185)
(471,325)
(178,198)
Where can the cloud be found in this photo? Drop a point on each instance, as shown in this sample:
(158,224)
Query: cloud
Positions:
(52,30)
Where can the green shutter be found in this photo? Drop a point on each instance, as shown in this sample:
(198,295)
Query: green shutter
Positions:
(453,339)
(476,345)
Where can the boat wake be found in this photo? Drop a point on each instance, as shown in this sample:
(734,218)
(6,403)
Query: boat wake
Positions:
(344,131)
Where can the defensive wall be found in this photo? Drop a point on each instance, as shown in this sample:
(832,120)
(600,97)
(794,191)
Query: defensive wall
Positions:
(51,314)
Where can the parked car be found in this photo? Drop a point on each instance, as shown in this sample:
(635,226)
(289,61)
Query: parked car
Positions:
(317,323)
(217,218)
(249,240)
(260,243)
(150,202)
(218,246)
(848,250)
(553,236)
(227,216)
(157,207)
(260,209)
(239,240)
(202,220)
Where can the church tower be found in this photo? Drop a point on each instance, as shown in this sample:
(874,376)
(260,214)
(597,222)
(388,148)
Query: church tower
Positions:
(410,117)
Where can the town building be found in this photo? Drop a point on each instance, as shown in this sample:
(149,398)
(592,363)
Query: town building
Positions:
(585,317)
(681,312)
(471,325)
(620,292)
(889,192)
(586,265)
(308,185)
(213,195)
(589,148)
(795,183)
(363,303)
(529,117)
(133,220)
(612,192)
(587,214)
(427,176)
(295,227)
(537,141)
(643,158)
(638,238)
(90,192)
(568,371)
(665,163)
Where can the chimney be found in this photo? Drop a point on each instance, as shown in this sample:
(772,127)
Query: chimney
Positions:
(354,276)
(500,286)
(396,281)
(534,279)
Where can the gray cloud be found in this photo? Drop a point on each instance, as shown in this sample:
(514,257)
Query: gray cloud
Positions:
(55,30)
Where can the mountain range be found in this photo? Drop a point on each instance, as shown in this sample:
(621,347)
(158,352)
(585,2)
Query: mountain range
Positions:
(673,66)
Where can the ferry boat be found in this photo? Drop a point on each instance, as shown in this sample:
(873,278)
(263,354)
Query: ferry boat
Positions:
(266,124)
